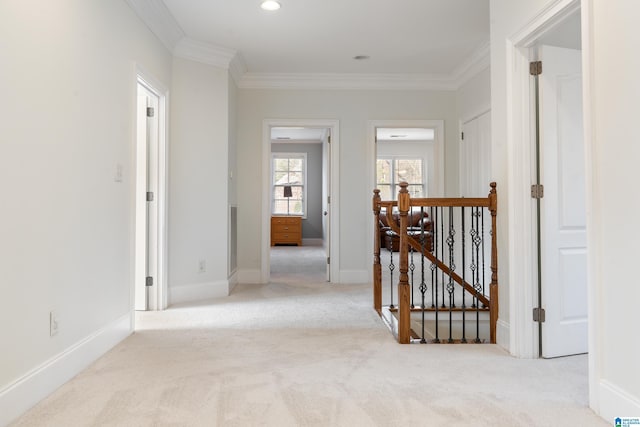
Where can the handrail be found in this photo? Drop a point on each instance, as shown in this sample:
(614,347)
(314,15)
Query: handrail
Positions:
(404,204)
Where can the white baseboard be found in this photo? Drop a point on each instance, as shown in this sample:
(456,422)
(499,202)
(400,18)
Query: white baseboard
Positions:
(502,335)
(353,276)
(198,291)
(249,276)
(43,380)
(615,402)
(233,280)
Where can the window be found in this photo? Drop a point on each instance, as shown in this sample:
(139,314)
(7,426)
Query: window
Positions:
(391,171)
(289,176)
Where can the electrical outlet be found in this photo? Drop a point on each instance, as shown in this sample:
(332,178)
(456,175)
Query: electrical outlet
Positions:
(202,266)
(53,323)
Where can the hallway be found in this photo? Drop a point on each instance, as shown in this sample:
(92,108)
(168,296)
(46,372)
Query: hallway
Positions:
(313,354)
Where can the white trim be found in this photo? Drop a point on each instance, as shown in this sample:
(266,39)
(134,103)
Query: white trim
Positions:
(479,61)
(233,281)
(290,155)
(159,20)
(339,81)
(521,240)
(615,402)
(237,68)
(205,53)
(199,291)
(355,276)
(503,334)
(22,394)
(334,191)
(594,270)
(157,87)
(438,161)
(249,276)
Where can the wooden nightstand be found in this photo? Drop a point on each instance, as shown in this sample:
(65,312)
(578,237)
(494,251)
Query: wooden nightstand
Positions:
(286,229)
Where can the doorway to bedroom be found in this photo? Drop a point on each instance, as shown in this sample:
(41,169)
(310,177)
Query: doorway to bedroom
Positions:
(298,210)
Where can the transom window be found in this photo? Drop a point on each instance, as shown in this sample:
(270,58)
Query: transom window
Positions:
(391,171)
(288,190)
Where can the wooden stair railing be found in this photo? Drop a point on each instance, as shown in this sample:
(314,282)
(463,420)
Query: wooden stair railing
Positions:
(407,243)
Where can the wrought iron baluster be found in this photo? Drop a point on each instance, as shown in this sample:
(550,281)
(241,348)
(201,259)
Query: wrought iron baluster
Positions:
(475,253)
(434,270)
(483,251)
(452,268)
(442,251)
(464,269)
(412,266)
(391,268)
(423,285)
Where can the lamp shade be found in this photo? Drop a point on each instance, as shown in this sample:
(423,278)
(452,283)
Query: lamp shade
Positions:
(287,191)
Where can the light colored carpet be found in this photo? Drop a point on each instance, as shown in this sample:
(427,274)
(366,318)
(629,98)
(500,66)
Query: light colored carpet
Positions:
(308,354)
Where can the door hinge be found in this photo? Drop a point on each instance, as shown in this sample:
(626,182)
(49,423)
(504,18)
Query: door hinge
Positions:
(535,68)
(150,111)
(328,199)
(329,139)
(149,281)
(328,260)
(538,315)
(149,196)
(537,191)
(462,135)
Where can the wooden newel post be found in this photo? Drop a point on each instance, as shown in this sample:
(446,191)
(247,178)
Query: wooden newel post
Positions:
(404,295)
(377,268)
(493,290)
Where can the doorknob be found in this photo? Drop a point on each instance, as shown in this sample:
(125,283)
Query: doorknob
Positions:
(325,213)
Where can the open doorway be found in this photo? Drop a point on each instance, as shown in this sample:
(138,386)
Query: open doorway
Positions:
(405,150)
(299,208)
(150,195)
(547,181)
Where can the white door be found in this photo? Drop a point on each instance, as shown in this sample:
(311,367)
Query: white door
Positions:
(475,156)
(563,216)
(326,205)
(147,179)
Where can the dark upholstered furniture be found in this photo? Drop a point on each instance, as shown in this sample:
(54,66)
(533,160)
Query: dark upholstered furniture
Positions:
(419,227)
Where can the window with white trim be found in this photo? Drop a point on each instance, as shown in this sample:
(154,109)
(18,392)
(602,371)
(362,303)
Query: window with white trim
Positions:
(288,184)
(391,171)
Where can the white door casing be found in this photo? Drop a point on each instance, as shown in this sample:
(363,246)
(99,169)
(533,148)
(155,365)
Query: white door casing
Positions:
(475,156)
(563,209)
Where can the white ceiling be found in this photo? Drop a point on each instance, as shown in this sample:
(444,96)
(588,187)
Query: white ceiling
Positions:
(407,40)
(323,36)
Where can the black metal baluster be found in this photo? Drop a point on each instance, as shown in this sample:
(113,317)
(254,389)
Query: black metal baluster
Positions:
(452,267)
(464,269)
(412,266)
(442,251)
(434,271)
(423,285)
(482,238)
(391,268)
(476,270)
(431,245)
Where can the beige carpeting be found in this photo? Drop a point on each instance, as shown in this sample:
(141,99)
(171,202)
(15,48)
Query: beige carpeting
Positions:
(299,352)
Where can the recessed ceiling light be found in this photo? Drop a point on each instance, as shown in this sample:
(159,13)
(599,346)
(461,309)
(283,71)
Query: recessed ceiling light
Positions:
(270,5)
(361,57)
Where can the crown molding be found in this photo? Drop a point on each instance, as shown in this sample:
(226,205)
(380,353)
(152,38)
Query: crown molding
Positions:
(160,21)
(339,81)
(237,68)
(206,53)
(477,62)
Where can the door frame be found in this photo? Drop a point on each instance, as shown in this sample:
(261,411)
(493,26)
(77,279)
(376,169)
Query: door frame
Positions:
(159,298)
(438,161)
(334,191)
(523,332)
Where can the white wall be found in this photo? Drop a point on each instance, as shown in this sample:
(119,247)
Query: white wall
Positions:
(199,162)
(474,97)
(614,206)
(507,17)
(354,109)
(612,158)
(68,89)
